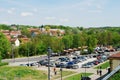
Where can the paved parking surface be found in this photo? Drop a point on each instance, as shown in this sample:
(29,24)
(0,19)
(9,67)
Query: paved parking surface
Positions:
(94,76)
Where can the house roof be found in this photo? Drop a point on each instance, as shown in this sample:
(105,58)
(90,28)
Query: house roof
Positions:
(13,40)
(34,29)
(15,33)
(115,56)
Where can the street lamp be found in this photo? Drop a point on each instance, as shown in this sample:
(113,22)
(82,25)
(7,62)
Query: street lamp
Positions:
(85,71)
(49,52)
(12,48)
(61,72)
(28,54)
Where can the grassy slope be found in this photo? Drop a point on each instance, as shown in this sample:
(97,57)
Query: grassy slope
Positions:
(103,66)
(64,73)
(23,73)
(78,76)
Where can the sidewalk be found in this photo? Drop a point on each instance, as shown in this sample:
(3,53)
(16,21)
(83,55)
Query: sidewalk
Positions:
(96,76)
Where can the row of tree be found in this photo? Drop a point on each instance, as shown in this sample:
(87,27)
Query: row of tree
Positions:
(74,37)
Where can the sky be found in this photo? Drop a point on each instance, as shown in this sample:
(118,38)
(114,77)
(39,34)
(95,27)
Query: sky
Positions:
(85,13)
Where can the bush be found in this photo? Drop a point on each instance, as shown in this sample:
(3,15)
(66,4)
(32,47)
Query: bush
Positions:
(3,63)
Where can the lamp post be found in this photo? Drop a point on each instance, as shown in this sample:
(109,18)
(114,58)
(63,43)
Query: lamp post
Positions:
(61,72)
(85,71)
(28,54)
(49,52)
(12,48)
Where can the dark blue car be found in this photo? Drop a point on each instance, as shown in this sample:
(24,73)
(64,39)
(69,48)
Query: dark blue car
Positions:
(70,64)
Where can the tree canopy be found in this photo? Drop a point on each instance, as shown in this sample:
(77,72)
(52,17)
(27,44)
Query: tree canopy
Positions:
(74,37)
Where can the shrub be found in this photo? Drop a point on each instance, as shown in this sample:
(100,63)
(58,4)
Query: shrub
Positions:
(3,63)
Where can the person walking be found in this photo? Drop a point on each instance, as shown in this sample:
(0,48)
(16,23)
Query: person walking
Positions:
(100,72)
(97,71)
(108,70)
(55,72)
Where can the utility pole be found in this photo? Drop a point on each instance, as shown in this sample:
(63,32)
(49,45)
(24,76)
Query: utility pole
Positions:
(12,48)
(28,54)
(49,52)
(61,72)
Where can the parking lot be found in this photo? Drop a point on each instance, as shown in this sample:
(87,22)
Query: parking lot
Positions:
(71,62)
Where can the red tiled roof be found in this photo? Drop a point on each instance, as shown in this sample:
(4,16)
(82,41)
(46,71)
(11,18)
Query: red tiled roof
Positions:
(116,56)
(34,29)
(15,33)
(5,31)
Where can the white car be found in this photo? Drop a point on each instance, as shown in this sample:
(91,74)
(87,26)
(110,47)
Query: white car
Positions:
(75,66)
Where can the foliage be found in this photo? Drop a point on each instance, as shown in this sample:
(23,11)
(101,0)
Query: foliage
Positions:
(4,46)
(3,63)
(4,27)
(67,40)
(74,37)
(25,31)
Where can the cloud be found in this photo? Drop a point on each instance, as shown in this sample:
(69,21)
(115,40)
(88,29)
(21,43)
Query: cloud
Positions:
(26,14)
(89,4)
(50,18)
(11,11)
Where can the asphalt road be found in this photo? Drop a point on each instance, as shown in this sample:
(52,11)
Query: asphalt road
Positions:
(34,58)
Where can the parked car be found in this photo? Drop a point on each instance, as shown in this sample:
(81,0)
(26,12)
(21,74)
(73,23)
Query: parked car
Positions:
(62,59)
(75,66)
(83,58)
(76,61)
(96,62)
(42,62)
(62,65)
(32,64)
(52,64)
(88,65)
(23,65)
(70,64)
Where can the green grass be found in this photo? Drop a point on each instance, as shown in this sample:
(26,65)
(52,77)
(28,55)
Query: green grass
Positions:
(64,73)
(21,73)
(77,76)
(103,66)
(116,76)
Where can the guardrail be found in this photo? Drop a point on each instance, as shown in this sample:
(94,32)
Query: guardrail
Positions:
(112,73)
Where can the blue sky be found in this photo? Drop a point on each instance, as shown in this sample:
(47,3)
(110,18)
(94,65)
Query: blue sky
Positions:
(86,13)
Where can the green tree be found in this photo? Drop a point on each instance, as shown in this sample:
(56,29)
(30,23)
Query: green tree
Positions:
(23,50)
(4,27)
(91,43)
(25,31)
(76,40)
(68,41)
(4,46)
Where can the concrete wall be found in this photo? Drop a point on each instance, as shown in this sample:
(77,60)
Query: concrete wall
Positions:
(115,63)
